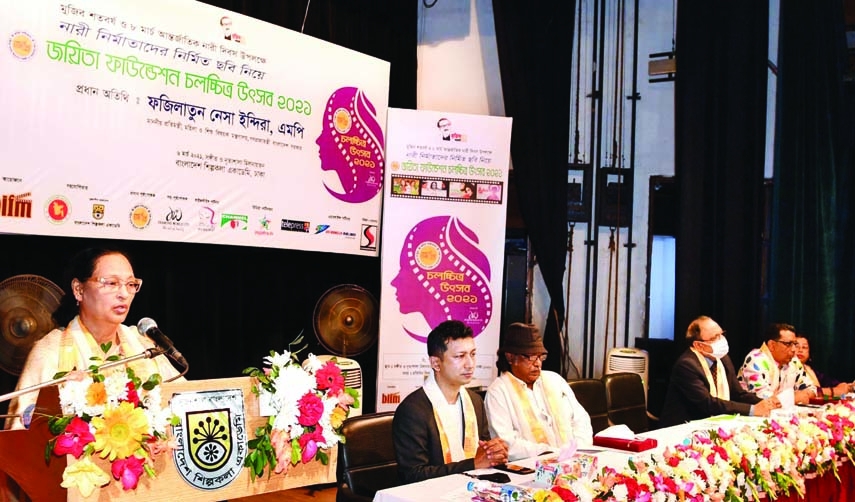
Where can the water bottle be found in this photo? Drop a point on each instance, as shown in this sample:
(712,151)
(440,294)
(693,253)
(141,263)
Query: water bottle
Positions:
(515,493)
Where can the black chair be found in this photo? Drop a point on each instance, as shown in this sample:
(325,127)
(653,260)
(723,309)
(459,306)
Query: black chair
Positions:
(626,402)
(591,394)
(366,460)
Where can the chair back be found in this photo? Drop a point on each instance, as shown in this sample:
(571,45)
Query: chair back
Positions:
(366,460)
(591,394)
(625,401)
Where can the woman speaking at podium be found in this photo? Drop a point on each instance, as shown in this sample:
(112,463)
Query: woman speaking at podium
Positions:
(103,286)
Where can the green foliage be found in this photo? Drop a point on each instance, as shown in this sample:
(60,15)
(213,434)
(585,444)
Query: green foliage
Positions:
(261,453)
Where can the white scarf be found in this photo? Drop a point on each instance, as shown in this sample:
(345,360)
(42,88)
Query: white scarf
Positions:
(452,449)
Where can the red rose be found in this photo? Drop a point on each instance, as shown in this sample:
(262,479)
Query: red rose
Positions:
(311,409)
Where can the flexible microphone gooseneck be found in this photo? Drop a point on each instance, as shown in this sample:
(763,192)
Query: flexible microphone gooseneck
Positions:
(148,327)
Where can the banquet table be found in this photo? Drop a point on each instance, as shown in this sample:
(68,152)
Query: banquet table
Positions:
(452,488)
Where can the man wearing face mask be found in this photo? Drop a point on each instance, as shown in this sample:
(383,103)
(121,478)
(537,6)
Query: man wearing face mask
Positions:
(703,381)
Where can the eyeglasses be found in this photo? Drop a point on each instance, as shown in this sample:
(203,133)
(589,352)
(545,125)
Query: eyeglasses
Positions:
(113,284)
(533,357)
(716,337)
(789,345)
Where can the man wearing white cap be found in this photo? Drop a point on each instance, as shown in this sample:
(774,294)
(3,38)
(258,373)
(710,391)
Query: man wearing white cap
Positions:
(531,409)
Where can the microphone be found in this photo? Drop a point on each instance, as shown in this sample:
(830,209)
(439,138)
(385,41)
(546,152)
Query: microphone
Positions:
(150,329)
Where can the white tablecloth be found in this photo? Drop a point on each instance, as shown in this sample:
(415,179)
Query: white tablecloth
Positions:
(453,488)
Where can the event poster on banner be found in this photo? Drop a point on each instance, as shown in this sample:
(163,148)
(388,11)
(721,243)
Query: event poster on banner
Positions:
(179,121)
(444,212)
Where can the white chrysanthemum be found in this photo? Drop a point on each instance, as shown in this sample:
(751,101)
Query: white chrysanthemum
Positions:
(620,492)
(72,396)
(313,364)
(76,397)
(92,410)
(158,419)
(700,484)
(689,465)
(659,497)
(291,384)
(287,416)
(116,387)
(330,436)
(330,404)
(278,360)
(151,398)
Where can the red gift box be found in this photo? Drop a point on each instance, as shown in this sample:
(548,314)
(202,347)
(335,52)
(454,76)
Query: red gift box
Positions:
(639,444)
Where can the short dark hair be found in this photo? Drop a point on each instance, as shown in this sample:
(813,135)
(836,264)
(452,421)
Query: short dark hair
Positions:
(773,331)
(693,332)
(438,338)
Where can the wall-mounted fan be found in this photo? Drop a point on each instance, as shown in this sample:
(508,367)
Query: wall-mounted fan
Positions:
(346,320)
(26,304)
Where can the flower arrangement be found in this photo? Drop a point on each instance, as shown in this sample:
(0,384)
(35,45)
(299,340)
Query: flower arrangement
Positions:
(308,408)
(730,465)
(113,414)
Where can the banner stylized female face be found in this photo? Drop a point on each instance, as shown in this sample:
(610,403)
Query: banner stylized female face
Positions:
(444,276)
(351,144)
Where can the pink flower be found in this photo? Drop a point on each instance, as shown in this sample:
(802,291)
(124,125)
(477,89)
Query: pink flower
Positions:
(133,397)
(345,400)
(281,443)
(311,409)
(329,377)
(76,436)
(309,445)
(156,446)
(128,470)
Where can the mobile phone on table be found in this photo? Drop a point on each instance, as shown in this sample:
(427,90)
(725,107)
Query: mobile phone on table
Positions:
(514,468)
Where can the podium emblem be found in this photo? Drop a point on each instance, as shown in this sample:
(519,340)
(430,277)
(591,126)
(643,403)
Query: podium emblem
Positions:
(211,438)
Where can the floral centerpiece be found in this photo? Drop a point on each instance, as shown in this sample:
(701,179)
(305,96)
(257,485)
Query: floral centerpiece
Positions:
(745,463)
(112,414)
(308,408)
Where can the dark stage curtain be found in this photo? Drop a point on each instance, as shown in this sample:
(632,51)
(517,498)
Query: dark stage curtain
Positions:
(535,43)
(811,273)
(720,103)
(226,307)
(385,29)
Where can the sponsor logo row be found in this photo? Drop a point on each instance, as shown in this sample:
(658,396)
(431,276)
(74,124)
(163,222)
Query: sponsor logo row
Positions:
(57,209)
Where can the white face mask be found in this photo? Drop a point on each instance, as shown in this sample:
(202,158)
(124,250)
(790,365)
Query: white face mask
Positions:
(719,348)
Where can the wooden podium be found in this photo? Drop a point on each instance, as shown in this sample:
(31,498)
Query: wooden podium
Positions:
(22,459)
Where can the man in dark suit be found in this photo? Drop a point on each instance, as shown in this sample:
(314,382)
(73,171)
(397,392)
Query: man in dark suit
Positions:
(703,381)
(441,428)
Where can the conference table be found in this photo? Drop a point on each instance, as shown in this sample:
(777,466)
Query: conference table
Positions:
(453,488)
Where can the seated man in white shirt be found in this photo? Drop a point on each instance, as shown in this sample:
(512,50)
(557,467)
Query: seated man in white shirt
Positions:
(532,410)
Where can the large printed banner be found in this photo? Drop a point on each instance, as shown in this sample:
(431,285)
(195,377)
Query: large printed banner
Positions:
(177,121)
(443,241)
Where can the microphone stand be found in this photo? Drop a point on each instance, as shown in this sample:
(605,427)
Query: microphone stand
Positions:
(147,354)
(183,363)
